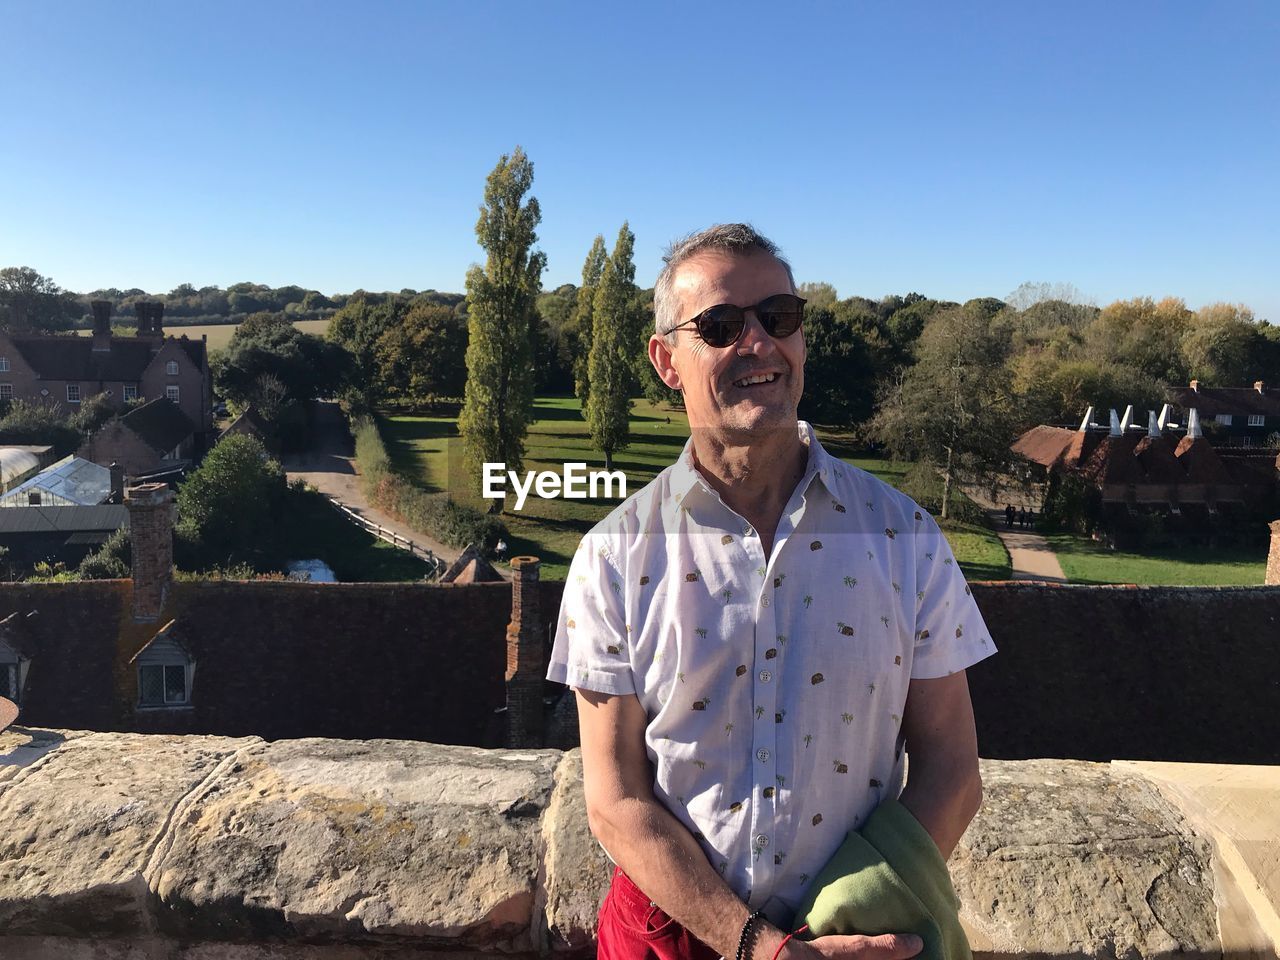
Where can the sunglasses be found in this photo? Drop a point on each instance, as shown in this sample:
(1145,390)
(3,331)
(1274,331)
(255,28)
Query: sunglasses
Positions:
(722,325)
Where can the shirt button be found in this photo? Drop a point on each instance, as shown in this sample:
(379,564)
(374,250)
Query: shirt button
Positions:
(765,676)
(747,531)
(763,755)
(764,601)
(762,841)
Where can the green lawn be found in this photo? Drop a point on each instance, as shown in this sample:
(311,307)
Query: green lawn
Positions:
(426,447)
(318,531)
(978,550)
(1084,561)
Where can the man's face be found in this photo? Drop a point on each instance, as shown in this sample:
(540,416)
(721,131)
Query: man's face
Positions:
(711,378)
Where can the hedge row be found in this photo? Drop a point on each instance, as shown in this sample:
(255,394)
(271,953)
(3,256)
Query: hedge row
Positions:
(432,513)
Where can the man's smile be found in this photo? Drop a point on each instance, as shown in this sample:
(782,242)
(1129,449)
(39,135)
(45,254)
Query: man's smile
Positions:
(755,379)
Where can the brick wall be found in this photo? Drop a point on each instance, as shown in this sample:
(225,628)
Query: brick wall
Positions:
(151,538)
(121,445)
(1092,673)
(526,657)
(192,384)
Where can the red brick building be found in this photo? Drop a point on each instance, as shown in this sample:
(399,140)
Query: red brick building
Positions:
(151,437)
(68,370)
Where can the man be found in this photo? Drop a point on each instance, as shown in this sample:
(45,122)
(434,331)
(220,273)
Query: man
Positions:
(753,638)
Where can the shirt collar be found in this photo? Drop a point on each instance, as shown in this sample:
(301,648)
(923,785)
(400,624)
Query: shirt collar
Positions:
(685,479)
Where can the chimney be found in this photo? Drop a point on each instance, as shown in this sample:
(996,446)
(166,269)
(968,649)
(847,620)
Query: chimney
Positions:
(157,318)
(1193,424)
(1116,429)
(1195,386)
(525,667)
(1127,420)
(151,535)
(117,482)
(1257,385)
(101,325)
(1273,558)
(142,309)
(1153,427)
(1088,418)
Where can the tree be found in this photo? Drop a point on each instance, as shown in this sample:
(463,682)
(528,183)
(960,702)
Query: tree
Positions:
(611,366)
(423,358)
(592,270)
(266,344)
(845,356)
(358,327)
(818,294)
(30,301)
(1221,345)
(952,409)
(501,308)
(229,506)
(1142,333)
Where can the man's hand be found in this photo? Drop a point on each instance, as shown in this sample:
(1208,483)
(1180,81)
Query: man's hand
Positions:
(887,946)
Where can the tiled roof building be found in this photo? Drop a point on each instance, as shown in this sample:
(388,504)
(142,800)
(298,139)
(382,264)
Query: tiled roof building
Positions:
(70,369)
(1163,464)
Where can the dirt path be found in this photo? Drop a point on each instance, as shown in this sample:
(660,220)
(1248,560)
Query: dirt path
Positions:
(1029,553)
(330,467)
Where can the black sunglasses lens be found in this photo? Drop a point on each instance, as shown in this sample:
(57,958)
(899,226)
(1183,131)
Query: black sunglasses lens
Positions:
(781,315)
(721,326)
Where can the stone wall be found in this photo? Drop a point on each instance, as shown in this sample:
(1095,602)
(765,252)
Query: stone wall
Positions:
(127,846)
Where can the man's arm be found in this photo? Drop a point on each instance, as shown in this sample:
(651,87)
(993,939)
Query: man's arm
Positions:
(662,857)
(944,788)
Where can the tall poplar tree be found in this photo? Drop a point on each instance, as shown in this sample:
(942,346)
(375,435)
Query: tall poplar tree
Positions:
(611,363)
(501,311)
(591,271)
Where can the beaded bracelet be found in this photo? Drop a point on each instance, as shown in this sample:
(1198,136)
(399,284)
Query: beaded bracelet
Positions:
(746,932)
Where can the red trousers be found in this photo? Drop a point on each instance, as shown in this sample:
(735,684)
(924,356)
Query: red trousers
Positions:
(632,927)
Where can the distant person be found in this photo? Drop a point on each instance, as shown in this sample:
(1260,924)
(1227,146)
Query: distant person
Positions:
(753,638)
(1009,514)
(1022,516)
(1031,518)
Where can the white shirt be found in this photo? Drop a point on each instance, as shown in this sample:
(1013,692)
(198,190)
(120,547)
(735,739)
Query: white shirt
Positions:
(774,685)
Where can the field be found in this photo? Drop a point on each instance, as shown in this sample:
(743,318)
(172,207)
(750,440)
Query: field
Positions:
(425,448)
(1084,561)
(219,334)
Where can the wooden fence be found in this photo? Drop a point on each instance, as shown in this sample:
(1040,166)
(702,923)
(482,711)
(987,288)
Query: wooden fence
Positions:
(438,565)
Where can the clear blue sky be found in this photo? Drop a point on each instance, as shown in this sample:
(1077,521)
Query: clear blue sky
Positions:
(954,149)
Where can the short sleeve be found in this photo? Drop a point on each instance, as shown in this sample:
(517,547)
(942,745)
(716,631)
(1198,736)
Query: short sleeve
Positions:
(950,633)
(590,650)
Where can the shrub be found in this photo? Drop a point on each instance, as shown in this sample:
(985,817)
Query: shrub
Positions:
(111,561)
(229,507)
(923,485)
(433,513)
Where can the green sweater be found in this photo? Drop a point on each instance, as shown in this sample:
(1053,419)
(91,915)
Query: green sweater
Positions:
(888,878)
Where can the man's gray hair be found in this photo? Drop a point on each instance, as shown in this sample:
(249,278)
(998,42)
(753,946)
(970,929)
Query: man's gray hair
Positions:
(740,238)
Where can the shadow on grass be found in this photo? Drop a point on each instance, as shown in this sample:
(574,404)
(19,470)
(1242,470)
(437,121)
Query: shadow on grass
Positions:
(315,530)
(545,411)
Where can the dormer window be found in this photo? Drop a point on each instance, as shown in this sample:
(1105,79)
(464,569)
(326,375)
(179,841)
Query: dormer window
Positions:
(171,368)
(165,672)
